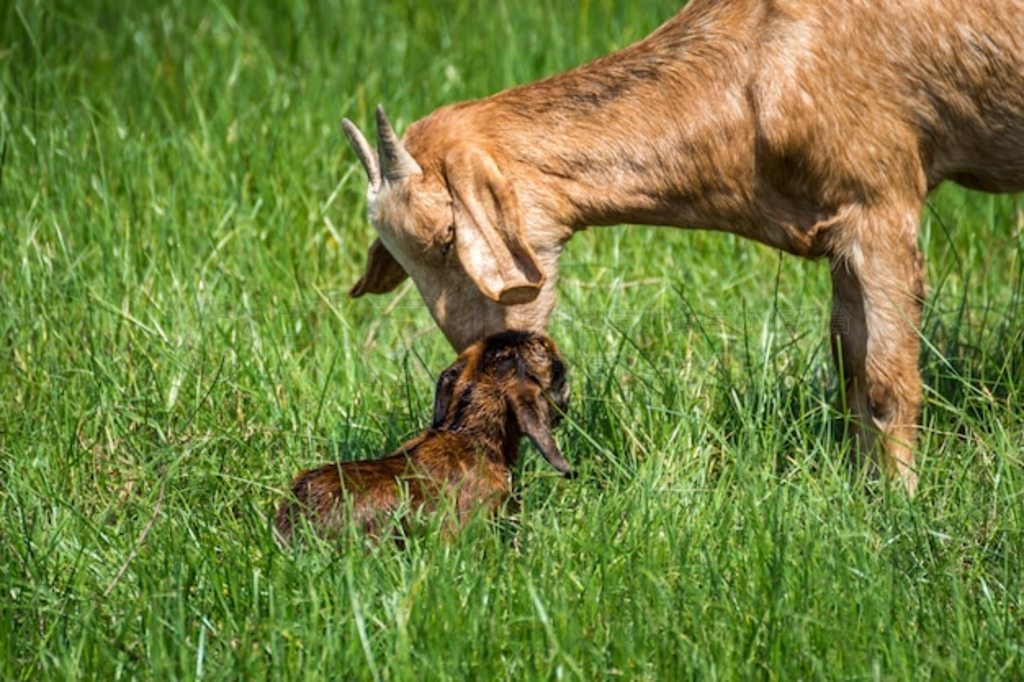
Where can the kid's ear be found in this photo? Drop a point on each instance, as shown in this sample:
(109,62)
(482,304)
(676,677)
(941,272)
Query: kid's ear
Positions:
(383,273)
(444,391)
(531,410)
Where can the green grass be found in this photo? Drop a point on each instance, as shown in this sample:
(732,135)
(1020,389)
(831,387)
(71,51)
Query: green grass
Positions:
(180,218)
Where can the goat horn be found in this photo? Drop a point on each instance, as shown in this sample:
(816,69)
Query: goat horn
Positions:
(395,162)
(364,151)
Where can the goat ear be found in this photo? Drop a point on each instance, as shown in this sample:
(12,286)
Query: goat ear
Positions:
(382,274)
(531,410)
(444,392)
(489,233)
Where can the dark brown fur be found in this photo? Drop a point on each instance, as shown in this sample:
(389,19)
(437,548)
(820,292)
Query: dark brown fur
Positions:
(497,391)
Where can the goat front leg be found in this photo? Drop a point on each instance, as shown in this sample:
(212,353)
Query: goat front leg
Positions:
(877,297)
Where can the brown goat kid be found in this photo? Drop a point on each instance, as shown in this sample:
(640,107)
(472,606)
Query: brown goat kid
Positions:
(815,126)
(509,385)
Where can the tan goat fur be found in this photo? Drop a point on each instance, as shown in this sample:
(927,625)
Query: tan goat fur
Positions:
(815,126)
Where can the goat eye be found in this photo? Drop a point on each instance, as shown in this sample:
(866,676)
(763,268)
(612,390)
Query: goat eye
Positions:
(449,240)
(557,373)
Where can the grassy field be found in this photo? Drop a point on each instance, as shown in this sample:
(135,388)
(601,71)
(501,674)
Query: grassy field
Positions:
(180,218)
